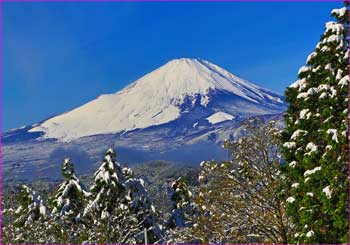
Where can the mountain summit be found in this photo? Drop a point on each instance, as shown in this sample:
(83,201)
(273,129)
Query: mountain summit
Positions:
(181,112)
(177,89)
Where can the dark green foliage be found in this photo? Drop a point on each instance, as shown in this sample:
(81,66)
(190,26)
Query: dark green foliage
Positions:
(107,188)
(182,207)
(70,196)
(316,139)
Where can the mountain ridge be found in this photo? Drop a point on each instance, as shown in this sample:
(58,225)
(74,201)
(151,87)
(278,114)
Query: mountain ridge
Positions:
(205,119)
(160,97)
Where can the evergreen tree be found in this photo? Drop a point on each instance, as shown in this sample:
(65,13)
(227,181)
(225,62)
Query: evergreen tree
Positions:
(108,215)
(182,207)
(31,212)
(31,209)
(141,208)
(70,196)
(107,188)
(106,207)
(315,139)
(67,205)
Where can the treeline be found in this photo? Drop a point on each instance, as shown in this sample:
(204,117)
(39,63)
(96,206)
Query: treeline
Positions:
(116,209)
(240,200)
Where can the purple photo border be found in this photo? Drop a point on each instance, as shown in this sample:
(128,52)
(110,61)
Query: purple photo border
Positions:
(183,1)
(1,122)
(121,1)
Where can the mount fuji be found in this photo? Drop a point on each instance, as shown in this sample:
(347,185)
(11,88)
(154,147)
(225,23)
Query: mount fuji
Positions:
(176,112)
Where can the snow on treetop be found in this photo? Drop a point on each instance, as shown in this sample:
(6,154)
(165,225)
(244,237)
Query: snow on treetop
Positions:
(334,27)
(154,99)
(339,12)
(110,151)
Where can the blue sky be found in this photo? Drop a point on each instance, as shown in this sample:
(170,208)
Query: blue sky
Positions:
(57,56)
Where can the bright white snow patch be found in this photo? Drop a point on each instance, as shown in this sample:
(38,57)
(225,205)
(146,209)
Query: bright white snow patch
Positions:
(295,185)
(344,81)
(310,233)
(333,38)
(305,114)
(293,164)
(290,199)
(219,117)
(42,209)
(303,69)
(339,74)
(311,147)
(312,171)
(302,95)
(333,132)
(299,84)
(325,87)
(311,56)
(323,95)
(297,133)
(340,12)
(327,190)
(334,27)
(289,145)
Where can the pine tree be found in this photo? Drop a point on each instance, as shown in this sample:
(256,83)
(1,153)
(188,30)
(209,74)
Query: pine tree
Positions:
(182,207)
(142,209)
(29,215)
(67,205)
(108,216)
(315,139)
(32,207)
(107,188)
(103,212)
(70,197)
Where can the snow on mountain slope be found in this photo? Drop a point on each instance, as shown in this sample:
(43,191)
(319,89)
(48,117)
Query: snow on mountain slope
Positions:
(155,99)
(219,117)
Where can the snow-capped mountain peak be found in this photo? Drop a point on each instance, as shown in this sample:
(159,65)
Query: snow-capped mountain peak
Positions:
(159,97)
(186,76)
